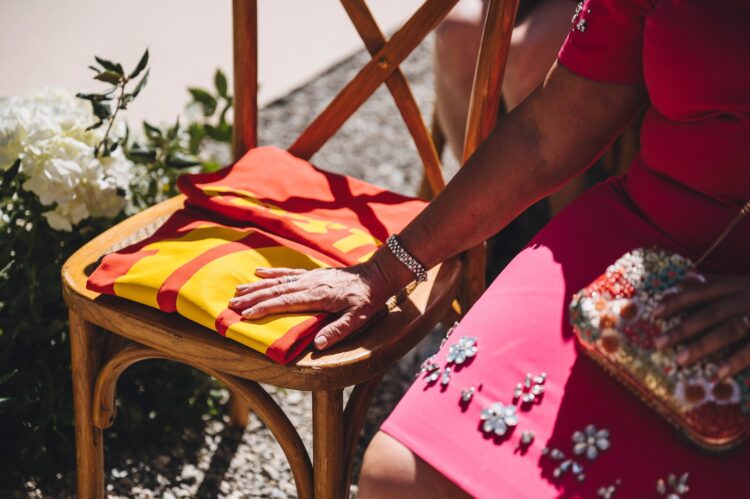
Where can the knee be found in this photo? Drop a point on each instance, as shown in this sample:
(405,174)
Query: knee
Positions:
(388,469)
(457,38)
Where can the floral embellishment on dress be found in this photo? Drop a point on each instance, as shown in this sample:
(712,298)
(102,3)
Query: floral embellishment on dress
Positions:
(531,389)
(467,394)
(590,442)
(673,488)
(527,437)
(498,419)
(608,492)
(579,22)
(430,369)
(463,350)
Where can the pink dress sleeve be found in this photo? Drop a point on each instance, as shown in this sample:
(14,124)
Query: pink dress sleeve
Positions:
(606,40)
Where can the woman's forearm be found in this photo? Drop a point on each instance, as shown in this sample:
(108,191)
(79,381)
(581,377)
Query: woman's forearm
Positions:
(527,156)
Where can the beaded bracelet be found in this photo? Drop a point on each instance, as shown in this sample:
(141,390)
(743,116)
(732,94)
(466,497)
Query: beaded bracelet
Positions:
(404,257)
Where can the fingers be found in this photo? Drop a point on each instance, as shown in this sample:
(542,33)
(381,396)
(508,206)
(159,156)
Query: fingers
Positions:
(727,333)
(702,320)
(277,272)
(301,301)
(736,363)
(244,289)
(694,292)
(339,329)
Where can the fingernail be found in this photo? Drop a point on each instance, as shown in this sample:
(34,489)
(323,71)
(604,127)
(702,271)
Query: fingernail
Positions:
(247,313)
(320,342)
(234,301)
(683,355)
(671,291)
(659,310)
(661,341)
(260,269)
(724,371)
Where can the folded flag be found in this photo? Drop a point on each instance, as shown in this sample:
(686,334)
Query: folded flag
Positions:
(269,209)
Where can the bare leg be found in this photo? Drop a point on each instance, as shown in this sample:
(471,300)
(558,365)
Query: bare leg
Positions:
(534,46)
(456,46)
(390,470)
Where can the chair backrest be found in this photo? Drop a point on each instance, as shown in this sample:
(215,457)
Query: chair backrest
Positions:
(383,67)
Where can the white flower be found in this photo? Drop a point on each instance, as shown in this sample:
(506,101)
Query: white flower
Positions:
(47,131)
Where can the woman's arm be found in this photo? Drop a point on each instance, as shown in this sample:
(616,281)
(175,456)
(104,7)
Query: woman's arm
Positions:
(553,135)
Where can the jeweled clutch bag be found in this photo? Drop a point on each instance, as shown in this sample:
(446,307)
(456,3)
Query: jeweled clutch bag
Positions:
(613,320)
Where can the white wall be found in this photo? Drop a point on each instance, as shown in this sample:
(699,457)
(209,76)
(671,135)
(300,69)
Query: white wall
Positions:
(50,43)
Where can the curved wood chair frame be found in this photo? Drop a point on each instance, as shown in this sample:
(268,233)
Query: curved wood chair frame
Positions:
(109,334)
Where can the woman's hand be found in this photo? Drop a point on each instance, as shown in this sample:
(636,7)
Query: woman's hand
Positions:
(357,293)
(717,314)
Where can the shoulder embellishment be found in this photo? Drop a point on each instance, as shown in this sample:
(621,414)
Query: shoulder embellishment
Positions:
(579,21)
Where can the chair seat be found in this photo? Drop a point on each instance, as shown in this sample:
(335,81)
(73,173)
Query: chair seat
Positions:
(352,361)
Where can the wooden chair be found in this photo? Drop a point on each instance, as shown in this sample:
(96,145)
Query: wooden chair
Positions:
(109,334)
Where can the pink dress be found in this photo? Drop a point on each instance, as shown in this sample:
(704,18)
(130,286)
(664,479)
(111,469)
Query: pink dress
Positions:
(691,177)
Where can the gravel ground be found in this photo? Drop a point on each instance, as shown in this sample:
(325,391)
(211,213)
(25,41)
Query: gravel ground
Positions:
(226,463)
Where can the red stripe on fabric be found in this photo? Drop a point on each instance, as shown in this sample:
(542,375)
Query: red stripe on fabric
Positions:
(297,339)
(225,319)
(170,288)
(116,265)
(287,347)
(294,185)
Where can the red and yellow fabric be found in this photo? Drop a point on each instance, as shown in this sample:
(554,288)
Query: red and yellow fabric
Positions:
(269,209)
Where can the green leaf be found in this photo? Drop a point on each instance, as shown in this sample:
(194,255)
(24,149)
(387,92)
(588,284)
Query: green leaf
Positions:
(221,83)
(210,166)
(141,66)
(10,174)
(205,99)
(196,133)
(109,77)
(126,99)
(173,131)
(94,126)
(142,156)
(150,130)
(222,133)
(178,161)
(106,64)
(93,97)
(101,110)
(6,376)
(141,84)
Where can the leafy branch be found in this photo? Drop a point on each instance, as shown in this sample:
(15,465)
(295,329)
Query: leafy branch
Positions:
(210,102)
(113,73)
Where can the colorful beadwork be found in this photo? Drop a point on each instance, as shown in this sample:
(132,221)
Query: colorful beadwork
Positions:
(613,319)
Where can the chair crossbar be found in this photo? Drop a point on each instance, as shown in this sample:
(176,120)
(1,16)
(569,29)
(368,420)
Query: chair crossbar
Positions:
(374,40)
(370,77)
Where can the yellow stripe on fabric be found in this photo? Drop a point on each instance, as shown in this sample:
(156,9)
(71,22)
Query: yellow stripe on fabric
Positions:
(356,238)
(142,281)
(206,294)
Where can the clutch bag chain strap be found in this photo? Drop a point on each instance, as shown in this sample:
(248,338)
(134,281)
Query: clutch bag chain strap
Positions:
(729,228)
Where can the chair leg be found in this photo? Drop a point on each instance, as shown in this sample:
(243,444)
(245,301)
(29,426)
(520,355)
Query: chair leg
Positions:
(239,410)
(85,353)
(328,444)
(438,139)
